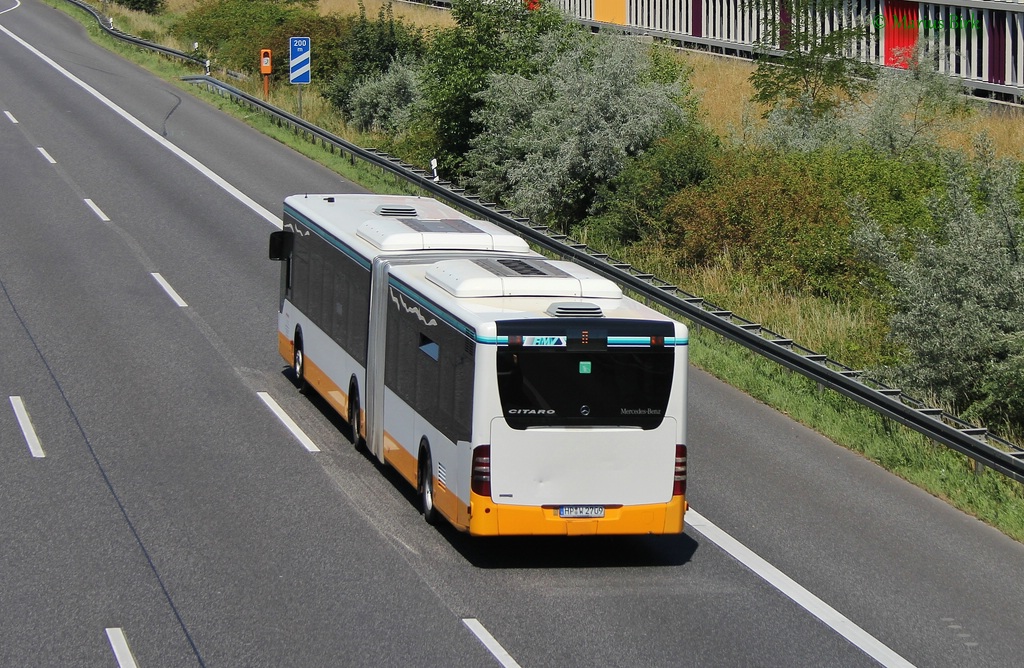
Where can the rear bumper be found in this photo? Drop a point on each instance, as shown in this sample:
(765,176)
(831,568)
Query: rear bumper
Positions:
(490,519)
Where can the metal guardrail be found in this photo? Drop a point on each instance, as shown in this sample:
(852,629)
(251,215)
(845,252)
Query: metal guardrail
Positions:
(975,442)
(107,25)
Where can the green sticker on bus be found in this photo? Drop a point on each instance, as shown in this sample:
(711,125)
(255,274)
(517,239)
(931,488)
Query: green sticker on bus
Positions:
(584,367)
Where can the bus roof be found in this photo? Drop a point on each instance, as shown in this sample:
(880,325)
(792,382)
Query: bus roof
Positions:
(480,291)
(398,223)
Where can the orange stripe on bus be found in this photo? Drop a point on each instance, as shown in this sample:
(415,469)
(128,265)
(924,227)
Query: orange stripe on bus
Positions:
(491,519)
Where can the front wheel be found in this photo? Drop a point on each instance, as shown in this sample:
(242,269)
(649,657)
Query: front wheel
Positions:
(426,488)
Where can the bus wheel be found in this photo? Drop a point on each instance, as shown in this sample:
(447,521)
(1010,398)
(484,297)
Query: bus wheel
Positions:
(299,364)
(353,417)
(426,487)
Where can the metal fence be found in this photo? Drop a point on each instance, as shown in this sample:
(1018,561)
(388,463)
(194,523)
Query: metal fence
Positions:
(980,42)
(975,442)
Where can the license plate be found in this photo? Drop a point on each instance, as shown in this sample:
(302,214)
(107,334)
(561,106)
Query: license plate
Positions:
(581,511)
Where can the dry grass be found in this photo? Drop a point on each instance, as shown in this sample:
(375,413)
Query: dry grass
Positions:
(1003,123)
(413,12)
(844,331)
(723,87)
(181,6)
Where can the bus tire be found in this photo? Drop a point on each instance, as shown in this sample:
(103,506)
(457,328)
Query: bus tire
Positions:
(425,485)
(353,416)
(299,362)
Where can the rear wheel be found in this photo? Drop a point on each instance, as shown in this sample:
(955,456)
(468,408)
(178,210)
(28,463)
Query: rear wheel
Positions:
(299,364)
(353,416)
(426,488)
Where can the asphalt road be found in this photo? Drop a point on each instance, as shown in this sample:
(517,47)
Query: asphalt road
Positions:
(173,505)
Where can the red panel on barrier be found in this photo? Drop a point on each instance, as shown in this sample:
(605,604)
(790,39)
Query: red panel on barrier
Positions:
(901,31)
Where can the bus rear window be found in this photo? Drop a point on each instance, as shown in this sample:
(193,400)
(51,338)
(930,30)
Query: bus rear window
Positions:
(555,386)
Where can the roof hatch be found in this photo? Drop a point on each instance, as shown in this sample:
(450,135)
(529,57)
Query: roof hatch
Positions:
(575,310)
(395,210)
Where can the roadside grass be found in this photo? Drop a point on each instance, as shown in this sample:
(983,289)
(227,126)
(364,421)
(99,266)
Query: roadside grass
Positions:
(723,89)
(989,496)
(422,15)
(845,331)
(834,329)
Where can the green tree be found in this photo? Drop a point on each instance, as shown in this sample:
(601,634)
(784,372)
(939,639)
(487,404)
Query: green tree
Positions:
(817,68)
(958,300)
(490,36)
(550,139)
(384,103)
(368,50)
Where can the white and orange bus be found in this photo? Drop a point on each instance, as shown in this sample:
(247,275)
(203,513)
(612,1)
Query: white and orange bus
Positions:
(520,395)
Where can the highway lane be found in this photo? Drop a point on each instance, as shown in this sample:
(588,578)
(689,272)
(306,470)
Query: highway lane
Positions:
(629,602)
(67,563)
(247,540)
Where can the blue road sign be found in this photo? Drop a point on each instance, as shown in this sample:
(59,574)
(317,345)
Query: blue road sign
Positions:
(300,48)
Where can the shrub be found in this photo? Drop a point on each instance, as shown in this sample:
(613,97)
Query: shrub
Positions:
(549,140)
(148,6)
(958,302)
(235,30)
(774,219)
(630,206)
(383,103)
(367,51)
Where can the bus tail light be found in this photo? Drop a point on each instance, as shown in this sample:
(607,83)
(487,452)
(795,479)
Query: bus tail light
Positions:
(679,479)
(481,483)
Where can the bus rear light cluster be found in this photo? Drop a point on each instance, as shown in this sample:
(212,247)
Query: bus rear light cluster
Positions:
(679,478)
(481,481)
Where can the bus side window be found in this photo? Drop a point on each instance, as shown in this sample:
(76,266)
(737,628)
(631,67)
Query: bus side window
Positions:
(430,348)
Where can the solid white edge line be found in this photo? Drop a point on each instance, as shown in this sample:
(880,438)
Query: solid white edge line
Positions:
(49,158)
(805,599)
(122,652)
(97,210)
(492,645)
(11,117)
(198,166)
(169,290)
(289,423)
(17,3)
(34,446)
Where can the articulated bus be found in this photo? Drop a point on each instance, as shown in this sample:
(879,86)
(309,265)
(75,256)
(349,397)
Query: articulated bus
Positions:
(519,395)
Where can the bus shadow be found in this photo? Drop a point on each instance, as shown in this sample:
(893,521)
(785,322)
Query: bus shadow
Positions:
(554,552)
